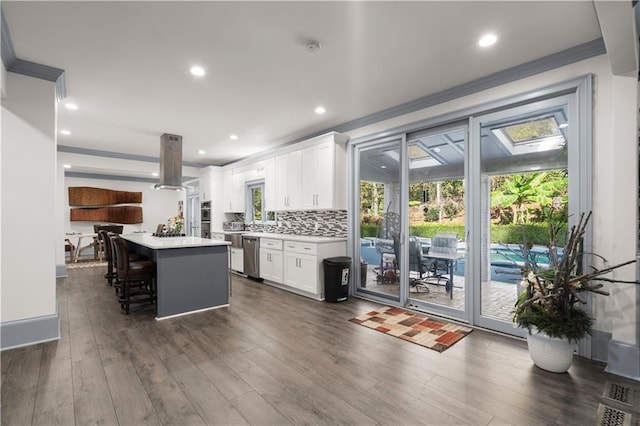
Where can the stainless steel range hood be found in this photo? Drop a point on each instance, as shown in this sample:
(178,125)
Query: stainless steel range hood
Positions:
(170,163)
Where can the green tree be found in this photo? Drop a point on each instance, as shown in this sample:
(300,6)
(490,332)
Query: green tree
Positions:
(371,198)
(521,189)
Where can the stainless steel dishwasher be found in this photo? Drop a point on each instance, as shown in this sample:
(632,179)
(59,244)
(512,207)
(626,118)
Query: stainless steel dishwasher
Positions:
(251,247)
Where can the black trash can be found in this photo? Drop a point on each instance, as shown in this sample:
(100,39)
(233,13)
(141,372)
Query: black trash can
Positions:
(336,278)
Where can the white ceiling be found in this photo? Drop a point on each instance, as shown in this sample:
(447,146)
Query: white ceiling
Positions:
(127,63)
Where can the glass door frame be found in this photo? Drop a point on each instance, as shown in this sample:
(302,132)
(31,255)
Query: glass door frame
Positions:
(459,314)
(580,160)
(353,214)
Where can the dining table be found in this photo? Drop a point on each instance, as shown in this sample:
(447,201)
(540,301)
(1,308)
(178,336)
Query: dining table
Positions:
(78,243)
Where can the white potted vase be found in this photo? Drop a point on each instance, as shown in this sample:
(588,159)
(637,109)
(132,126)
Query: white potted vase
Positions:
(549,353)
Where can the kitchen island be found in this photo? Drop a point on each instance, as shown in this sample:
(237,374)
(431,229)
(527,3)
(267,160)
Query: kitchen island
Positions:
(192,272)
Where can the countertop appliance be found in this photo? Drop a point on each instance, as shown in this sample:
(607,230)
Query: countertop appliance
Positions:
(251,256)
(233,226)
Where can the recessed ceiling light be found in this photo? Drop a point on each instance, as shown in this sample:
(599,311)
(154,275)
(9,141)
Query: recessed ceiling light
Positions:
(197,71)
(201,152)
(436,149)
(154,174)
(65,132)
(487,40)
(383,167)
(71,106)
(563,126)
(233,137)
(67,166)
(320,110)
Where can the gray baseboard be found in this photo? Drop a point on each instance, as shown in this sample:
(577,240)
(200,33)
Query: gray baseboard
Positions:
(623,360)
(600,345)
(61,271)
(14,334)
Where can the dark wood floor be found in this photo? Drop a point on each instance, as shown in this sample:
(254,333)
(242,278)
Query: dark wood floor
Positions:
(274,358)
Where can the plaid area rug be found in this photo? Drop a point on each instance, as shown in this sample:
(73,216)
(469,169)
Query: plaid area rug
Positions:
(415,328)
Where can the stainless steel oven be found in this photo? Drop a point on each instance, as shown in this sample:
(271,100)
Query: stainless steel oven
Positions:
(205,214)
(205,229)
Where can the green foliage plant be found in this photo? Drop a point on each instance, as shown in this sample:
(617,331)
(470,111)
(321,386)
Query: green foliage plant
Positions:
(552,296)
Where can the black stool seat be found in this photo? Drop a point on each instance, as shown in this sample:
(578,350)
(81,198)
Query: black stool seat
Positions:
(136,278)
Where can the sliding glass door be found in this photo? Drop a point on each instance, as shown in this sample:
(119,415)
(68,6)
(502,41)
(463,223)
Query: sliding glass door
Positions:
(379,213)
(448,216)
(523,181)
(437,219)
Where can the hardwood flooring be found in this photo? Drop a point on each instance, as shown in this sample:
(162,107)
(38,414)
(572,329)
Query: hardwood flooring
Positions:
(274,358)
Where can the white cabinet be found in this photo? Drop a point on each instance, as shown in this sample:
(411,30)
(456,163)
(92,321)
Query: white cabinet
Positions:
(237,259)
(233,191)
(324,176)
(271,265)
(270,185)
(205,186)
(271,260)
(301,271)
(302,266)
(288,181)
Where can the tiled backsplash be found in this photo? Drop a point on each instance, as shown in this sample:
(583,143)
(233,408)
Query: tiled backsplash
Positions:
(320,223)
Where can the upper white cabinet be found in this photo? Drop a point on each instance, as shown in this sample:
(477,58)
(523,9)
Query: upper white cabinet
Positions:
(289,181)
(233,191)
(313,177)
(323,179)
(205,186)
(270,184)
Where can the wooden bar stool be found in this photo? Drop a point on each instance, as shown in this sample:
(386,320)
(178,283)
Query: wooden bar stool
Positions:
(137,278)
(110,255)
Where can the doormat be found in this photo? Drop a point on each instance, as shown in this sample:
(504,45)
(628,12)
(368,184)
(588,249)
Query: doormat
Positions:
(415,328)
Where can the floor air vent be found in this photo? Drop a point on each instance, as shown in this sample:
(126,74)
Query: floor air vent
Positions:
(619,393)
(609,416)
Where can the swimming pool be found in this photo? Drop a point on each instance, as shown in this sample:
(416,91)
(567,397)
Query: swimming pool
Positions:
(506,259)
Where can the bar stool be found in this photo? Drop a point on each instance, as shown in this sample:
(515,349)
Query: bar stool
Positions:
(137,278)
(106,237)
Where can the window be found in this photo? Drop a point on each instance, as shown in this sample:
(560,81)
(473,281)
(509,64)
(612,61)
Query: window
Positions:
(255,204)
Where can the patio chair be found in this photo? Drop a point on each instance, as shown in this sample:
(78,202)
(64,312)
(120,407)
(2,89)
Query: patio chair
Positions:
(441,243)
(418,271)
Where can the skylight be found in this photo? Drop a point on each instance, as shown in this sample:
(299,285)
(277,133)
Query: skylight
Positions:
(532,130)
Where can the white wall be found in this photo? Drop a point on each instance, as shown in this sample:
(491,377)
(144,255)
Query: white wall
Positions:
(615,169)
(28,224)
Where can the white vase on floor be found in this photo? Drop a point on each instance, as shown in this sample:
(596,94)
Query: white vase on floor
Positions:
(550,353)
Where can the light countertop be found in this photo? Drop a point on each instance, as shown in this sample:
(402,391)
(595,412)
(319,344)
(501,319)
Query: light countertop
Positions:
(291,237)
(148,240)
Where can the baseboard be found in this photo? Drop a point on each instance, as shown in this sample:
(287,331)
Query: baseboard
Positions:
(61,271)
(623,360)
(15,334)
(600,345)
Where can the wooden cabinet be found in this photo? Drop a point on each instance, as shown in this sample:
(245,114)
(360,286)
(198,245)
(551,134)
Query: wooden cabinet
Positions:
(237,259)
(271,260)
(233,191)
(288,181)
